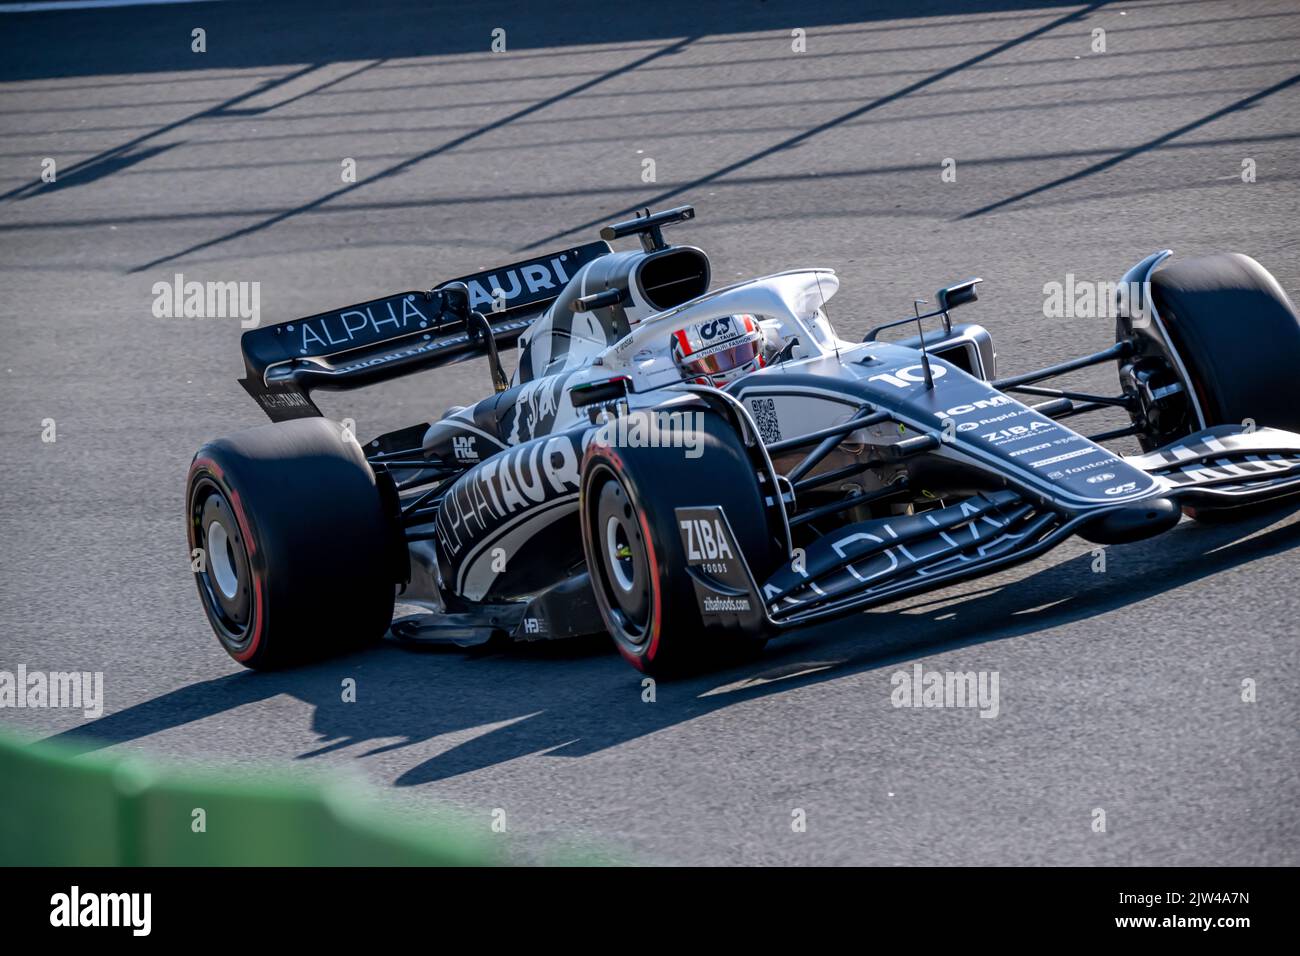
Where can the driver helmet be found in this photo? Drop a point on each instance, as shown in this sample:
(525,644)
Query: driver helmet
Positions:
(719,351)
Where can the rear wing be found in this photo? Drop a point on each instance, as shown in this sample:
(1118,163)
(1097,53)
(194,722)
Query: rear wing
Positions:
(399,334)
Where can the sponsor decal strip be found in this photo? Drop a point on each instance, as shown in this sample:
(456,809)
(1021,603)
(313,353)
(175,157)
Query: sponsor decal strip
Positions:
(999,465)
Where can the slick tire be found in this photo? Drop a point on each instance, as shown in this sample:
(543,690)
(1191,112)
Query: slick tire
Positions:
(292,541)
(1238,336)
(635,552)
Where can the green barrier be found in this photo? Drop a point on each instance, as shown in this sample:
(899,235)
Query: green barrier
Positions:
(62,810)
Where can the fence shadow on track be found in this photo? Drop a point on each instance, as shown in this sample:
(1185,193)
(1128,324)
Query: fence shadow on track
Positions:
(661,198)
(155,39)
(245,34)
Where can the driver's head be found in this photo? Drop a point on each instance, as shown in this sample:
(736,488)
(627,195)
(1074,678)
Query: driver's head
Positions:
(719,351)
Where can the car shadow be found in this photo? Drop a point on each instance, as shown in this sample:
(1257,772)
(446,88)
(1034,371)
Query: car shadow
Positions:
(575,698)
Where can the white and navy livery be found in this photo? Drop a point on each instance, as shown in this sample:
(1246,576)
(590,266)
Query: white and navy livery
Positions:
(828,475)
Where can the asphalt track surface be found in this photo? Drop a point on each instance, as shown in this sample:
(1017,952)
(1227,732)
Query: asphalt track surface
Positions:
(1118,690)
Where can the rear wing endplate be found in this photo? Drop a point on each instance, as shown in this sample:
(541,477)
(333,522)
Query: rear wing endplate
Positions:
(399,334)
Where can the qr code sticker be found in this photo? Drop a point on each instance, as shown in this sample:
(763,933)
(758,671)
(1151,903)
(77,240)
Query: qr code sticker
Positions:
(769,428)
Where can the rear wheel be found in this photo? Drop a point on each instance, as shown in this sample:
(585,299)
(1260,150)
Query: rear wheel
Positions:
(639,566)
(292,543)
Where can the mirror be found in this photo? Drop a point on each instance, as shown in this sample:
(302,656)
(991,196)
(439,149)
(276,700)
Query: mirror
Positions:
(955,295)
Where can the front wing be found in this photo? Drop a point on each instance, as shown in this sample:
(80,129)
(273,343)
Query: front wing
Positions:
(873,562)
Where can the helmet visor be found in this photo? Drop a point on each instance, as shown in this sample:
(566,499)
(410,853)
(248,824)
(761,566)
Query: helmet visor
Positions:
(723,360)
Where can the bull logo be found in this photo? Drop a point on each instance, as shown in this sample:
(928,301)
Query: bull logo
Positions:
(536,407)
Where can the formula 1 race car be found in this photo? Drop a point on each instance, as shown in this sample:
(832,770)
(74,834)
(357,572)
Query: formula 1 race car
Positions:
(695,470)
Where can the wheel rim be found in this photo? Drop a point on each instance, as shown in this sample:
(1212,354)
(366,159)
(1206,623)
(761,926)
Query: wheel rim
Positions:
(1161,419)
(624,581)
(221,560)
(619,552)
(223,574)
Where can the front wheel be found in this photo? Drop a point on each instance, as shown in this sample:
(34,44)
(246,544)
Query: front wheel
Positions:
(1225,352)
(1228,354)
(292,544)
(635,502)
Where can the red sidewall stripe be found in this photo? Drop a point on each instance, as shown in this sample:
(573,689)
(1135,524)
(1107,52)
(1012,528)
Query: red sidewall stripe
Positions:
(250,544)
(656,589)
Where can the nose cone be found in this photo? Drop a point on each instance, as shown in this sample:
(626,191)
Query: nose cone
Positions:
(1132,522)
